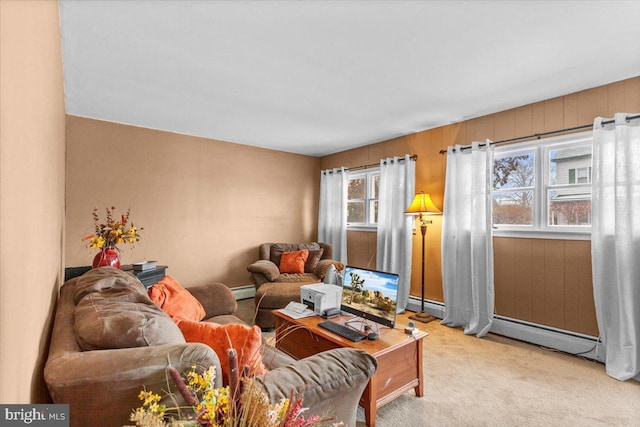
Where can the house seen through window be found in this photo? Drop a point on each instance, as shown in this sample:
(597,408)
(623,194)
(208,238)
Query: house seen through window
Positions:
(362,198)
(543,185)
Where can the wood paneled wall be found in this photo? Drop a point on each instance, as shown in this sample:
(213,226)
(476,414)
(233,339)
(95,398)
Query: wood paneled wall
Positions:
(545,281)
(363,249)
(564,304)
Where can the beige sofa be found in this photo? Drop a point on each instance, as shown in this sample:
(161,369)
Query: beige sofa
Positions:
(98,362)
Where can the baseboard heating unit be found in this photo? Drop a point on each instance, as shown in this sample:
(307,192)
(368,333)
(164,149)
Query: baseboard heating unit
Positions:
(244,292)
(558,339)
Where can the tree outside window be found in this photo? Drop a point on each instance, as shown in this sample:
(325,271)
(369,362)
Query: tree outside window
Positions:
(513,183)
(362,198)
(543,185)
(356,195)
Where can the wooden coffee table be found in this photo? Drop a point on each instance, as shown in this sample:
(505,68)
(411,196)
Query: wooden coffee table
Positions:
(399,357)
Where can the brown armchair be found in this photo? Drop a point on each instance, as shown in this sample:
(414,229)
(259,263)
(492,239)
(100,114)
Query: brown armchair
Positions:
(275,289)
(266,269)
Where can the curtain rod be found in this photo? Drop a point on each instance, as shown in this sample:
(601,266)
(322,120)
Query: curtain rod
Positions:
(413,157)
(539,135)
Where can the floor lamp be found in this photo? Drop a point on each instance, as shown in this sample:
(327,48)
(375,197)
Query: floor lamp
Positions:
(422,206)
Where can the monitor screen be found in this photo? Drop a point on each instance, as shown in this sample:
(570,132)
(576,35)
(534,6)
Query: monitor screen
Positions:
(370,294)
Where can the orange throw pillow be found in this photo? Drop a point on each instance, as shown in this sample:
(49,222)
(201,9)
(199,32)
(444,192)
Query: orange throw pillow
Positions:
(293,262)
(244,339)
(175,300)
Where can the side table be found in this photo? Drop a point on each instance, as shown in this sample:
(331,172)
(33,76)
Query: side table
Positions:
(149,277)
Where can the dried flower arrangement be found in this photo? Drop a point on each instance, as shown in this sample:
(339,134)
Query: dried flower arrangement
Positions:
(112,232)
(242,403)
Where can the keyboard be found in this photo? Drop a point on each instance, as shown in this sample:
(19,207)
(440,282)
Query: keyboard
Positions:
(343,331)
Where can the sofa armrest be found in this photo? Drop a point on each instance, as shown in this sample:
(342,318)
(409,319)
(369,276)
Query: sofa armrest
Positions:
(266,268)
(89,380)
(323,266)
(216,298)
(330,382)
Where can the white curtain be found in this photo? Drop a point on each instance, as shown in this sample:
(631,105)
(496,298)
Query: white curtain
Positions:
(615,243)
(467,245)
(394,245)
(332,214)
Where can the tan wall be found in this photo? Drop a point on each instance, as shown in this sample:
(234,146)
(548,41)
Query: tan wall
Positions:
(205,205)
(32,143)
(557,113)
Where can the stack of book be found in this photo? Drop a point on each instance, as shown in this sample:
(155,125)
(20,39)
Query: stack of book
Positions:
(144,265)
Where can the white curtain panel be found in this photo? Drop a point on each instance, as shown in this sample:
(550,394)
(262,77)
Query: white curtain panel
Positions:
(615,243)
(467,245)
(395,229)
(332,214)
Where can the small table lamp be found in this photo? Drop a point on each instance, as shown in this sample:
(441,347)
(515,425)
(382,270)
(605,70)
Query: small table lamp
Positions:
(422,206)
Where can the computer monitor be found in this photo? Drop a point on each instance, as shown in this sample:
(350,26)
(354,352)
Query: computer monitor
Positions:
(370,294)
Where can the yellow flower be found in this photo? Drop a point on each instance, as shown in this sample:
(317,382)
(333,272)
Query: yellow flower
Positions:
(149,397)
(97,242)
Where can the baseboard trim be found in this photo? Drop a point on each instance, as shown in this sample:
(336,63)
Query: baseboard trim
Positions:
(559,339)
(244,292)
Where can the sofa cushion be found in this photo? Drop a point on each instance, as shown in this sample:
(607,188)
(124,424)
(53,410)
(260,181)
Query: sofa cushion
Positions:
(277,249)
(312,261)
(293,262)
(276,295)
(113,310)
(297,278)
(245,340)
(175,300)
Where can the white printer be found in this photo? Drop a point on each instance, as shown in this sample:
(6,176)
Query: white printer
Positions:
(321,297)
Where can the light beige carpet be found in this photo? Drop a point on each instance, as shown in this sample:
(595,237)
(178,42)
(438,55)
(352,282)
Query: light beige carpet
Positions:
(496,381)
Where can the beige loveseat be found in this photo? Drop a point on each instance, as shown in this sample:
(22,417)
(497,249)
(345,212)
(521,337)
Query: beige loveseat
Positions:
(98,362)
(275,289)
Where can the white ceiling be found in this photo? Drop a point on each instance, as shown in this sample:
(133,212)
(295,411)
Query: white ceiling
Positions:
(319,77)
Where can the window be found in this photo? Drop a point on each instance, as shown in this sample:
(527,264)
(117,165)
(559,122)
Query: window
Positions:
(580,175)
(543,186)
(513,188)
(362,198)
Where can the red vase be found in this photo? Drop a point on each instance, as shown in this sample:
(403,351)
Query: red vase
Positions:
(107,257)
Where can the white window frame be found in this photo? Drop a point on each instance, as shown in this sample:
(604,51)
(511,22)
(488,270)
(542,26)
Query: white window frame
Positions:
(540,227)
(368,174)
(577,175)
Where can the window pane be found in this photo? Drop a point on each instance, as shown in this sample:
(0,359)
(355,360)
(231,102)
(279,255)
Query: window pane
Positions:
(373,212)
(570,165)
(355,212)
(513,208)
(357,188)
(514,171)
(571,207)
(376,186)
(583,175)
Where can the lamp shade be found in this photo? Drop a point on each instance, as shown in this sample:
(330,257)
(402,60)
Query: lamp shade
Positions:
(422,205)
